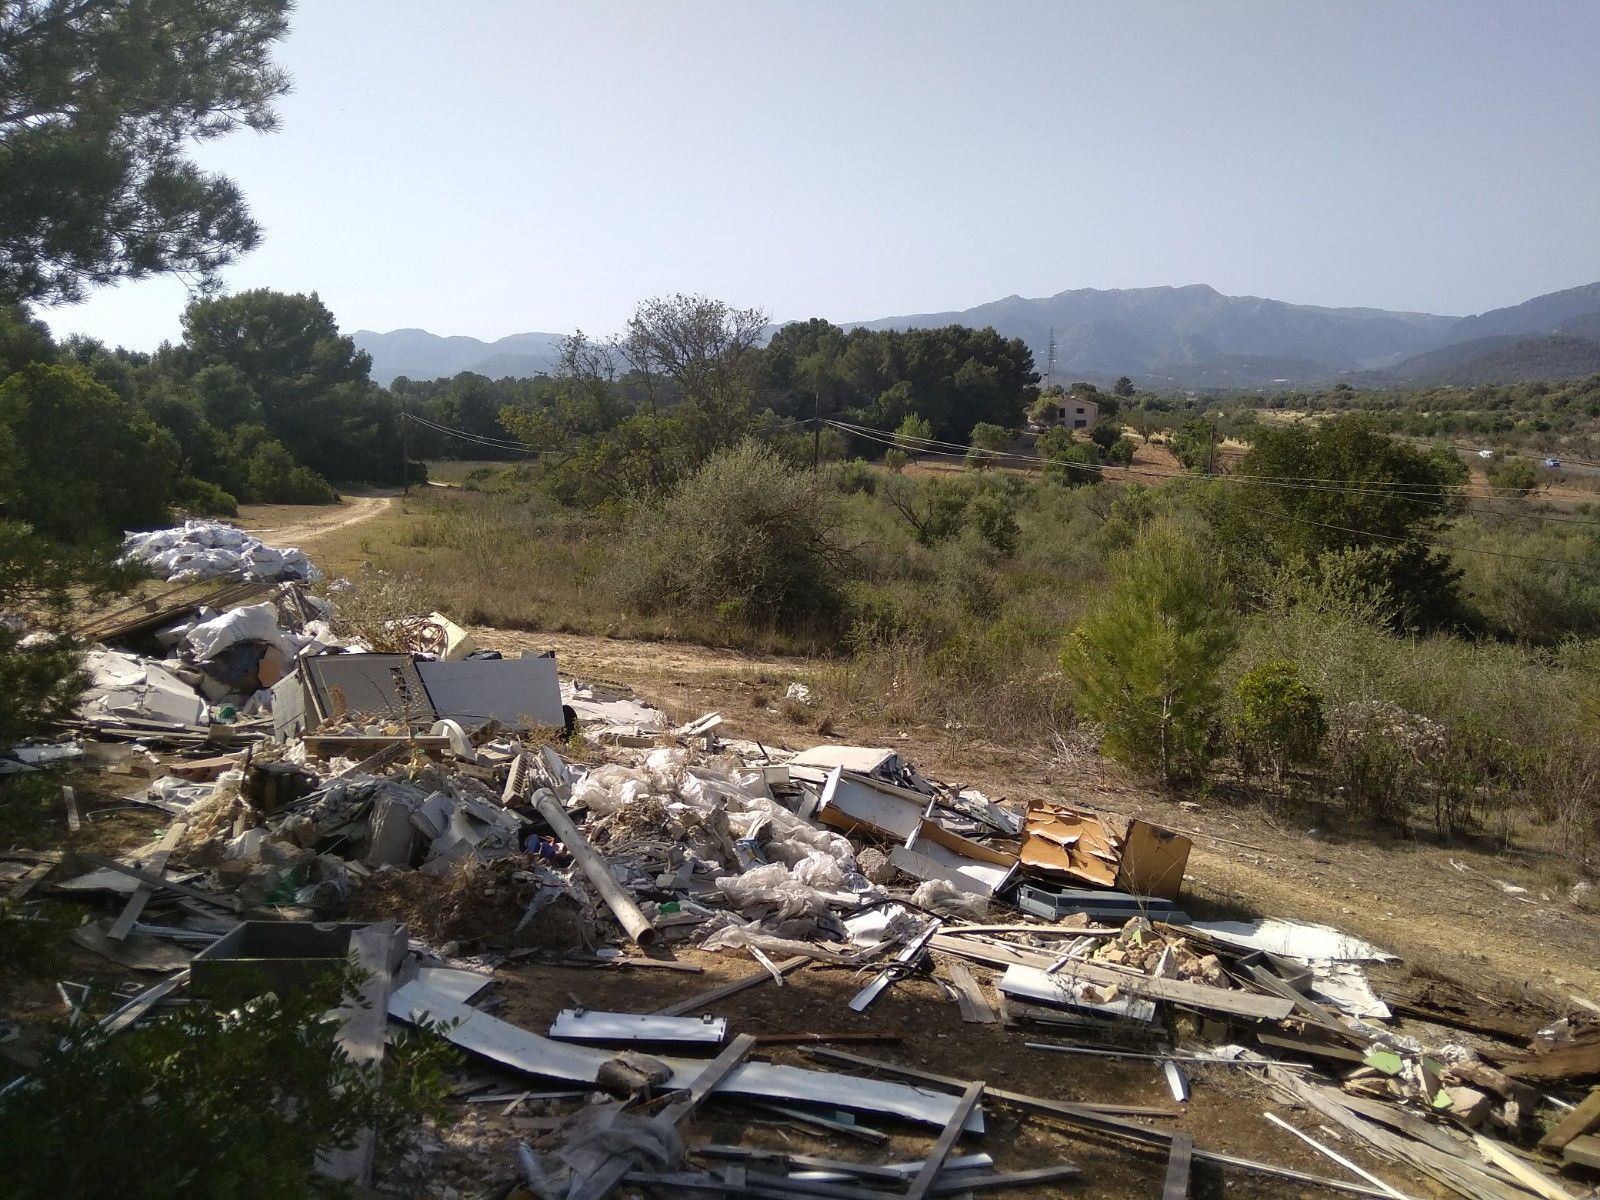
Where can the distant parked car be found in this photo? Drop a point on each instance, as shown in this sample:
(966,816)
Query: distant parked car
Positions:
(1485,453)
(1552,462)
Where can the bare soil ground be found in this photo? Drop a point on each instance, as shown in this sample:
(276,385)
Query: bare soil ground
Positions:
(307,524)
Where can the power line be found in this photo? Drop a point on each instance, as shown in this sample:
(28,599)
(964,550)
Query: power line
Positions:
(1286,483)
(877,436)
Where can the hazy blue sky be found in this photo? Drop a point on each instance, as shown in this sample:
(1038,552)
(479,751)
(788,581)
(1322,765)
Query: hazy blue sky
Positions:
(489,168)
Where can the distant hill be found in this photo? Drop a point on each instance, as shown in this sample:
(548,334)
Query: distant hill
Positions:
(1168,337)
(1194,335)
(1504,358)
(418,354)
(1542,314)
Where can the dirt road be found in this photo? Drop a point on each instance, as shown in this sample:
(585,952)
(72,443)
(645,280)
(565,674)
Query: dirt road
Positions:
(305,524)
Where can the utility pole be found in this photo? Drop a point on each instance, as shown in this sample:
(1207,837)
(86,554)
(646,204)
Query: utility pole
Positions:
(1211,447)
(405,453)
(816,430)
(1050,359)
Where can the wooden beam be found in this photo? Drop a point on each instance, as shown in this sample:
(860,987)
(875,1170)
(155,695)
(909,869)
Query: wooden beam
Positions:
(156,863)
(705,999)
(231,903)
(1579,1121)
(922,1184)
(1086,1117)
(1179,1160)
(1134,983)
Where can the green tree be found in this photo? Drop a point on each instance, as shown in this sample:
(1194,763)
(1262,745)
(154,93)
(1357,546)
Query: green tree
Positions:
(987,444)
(1105,433)
(1346,485)
(77,462)
(39,665)
(1277,717)
(1120,452)
(705,353)
(913,434)
(100,104)
(216,1101)
(1192,444)
(1123,387)
(306,377)
(1145,660)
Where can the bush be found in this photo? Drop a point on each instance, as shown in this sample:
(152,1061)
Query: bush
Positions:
(219,1103)
(1277,717)
(742,538)
(1120,452)
(1512,476)
(273,477)
(197,497)
(1145,662)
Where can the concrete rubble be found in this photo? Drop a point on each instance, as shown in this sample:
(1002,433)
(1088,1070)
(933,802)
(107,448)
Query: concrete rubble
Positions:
(557,804)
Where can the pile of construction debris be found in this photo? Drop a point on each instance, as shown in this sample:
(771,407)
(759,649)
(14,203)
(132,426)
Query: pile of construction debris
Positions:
(348,778)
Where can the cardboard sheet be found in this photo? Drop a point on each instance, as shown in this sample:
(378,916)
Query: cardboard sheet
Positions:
(1104,850)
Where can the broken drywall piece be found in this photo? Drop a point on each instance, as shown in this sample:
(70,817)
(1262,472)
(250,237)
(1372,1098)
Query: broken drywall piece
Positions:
(933,852)
(1293,939)
(124,687)
(856,803)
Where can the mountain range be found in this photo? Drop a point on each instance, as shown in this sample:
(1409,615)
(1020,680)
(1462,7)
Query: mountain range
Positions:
(1192,337)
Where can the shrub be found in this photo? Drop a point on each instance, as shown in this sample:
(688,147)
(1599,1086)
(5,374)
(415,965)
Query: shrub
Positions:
(273,477)
(1512,476)
(222,1103)
(1120,452)
(743,537)
(1277,717)
(204,499)
(895,459)
(1145,662)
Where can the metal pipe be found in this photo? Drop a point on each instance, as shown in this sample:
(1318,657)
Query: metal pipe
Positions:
(594,868)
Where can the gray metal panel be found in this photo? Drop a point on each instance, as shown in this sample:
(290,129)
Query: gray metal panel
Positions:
(366,684)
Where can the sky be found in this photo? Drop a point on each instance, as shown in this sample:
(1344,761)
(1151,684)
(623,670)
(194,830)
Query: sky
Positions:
(500,166)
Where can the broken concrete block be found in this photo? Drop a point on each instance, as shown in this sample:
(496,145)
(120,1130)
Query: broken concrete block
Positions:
(1468,1105)
(392,833)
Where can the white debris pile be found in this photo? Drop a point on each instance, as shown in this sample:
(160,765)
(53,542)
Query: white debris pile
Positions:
(199,550)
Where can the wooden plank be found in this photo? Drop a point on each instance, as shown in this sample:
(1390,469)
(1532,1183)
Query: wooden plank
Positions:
(704,999)
(1179,1160)
(1316,1013)
(1583,1150)
(1173,991)
(229,902)
(363,1021)
(74,821)
(156,864)
(1508,1162)
(1579,1121)
(23,886)
(922,1185)
(975,1006)
(1086,1117)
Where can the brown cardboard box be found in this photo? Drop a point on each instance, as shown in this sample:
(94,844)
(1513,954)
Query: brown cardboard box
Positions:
(1104,850)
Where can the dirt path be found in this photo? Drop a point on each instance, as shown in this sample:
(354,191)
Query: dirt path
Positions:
(305,524)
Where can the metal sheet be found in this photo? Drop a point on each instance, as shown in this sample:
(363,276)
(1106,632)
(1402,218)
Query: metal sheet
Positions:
(519,692)
(582,1025)
(523,1050)
(367,684)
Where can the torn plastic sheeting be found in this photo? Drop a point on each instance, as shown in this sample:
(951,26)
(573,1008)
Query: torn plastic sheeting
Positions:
(253,623)
(619,711)
(525,1051)
(1294,939)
